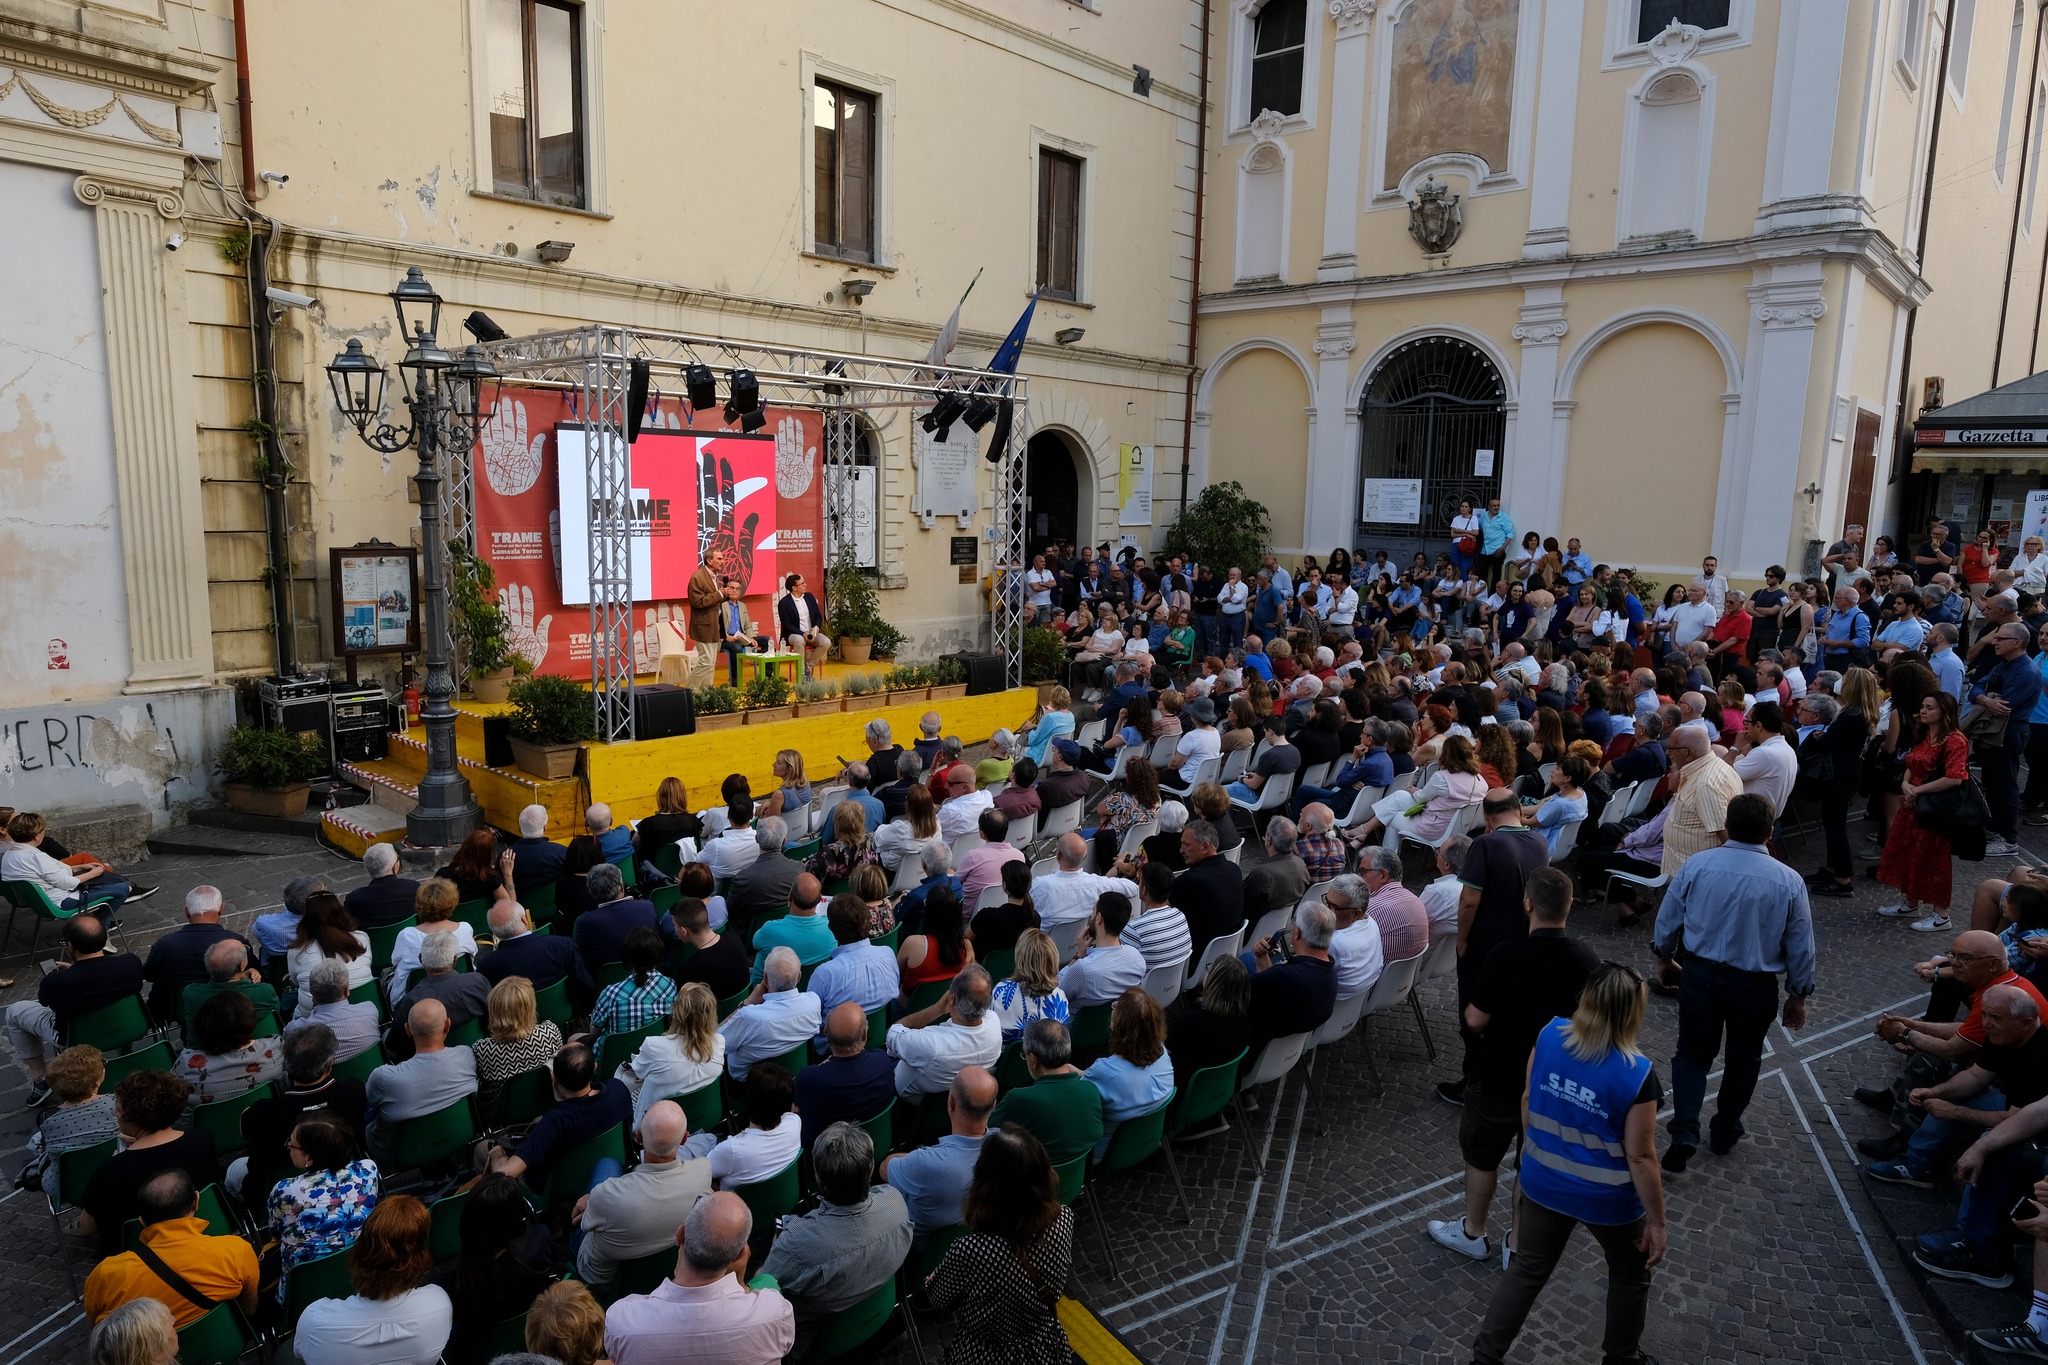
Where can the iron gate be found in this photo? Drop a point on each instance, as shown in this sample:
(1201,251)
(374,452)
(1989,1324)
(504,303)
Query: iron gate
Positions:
(1429,408)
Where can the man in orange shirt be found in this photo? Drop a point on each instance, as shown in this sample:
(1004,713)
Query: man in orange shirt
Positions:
(177,1263)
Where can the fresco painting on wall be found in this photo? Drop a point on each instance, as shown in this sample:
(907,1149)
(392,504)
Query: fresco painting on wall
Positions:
(1454,76)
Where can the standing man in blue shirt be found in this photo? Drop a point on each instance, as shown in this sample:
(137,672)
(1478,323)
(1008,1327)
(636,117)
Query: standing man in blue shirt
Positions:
(2009,689)
(1496,532)
(1578,565)
(1742,918)
(1946,663)
(1269,605)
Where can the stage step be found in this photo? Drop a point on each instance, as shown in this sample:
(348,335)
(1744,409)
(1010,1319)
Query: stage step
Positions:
(388,783)
(393,783)
(355,828)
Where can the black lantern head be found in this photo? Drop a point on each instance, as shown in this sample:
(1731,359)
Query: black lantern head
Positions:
(472,372)
(754,421)
(938,423)
(358,384)
(419,307)
(746,395)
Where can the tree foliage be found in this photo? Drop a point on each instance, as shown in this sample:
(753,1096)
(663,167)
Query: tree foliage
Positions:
(1224,526)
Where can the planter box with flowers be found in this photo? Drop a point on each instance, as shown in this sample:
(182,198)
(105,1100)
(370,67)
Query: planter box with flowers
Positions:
(864,692)
(949,679)
(718,708)
(767,698)
(268,771)
(817,697)
(907,683)
(551,722)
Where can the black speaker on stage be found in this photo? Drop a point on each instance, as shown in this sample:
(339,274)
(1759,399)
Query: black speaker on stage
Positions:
(984,672)
(498,741)
(663,711)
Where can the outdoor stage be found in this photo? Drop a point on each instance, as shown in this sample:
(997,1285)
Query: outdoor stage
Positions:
(625,775)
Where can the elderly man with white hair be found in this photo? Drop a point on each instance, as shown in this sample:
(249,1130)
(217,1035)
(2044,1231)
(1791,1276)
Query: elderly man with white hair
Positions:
(388,898)
(1295,994)
(1697,817)
(964,803)
(178,959)
(542,959)
(354,1023)
(1356,947)
(613,841)
(636,1213)
(934,1044)
(776,1018)
(1068,894)
(535,861)
(705,1303)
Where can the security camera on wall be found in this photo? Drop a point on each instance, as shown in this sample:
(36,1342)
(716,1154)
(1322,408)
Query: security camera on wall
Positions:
(285,298)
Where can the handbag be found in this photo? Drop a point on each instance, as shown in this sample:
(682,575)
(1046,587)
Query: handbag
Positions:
(1958,811)
(1467,544)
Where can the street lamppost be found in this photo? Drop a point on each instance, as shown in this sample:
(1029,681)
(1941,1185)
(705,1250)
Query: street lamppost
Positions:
(445,396)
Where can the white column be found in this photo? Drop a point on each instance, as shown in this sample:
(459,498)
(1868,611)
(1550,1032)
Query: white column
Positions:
(1532,484)
(1557,107)
(156,446)
(1329,514)
(1805,104)
(1341,206)
(1755,503)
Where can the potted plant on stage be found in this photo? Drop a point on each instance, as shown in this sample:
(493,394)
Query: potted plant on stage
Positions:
(949,679)
(817,697)
(483,644)
(851,608)
(907,682)
(864,692)
(268,771)
(551,721)
(767,697)
(1045,659)
(718,708)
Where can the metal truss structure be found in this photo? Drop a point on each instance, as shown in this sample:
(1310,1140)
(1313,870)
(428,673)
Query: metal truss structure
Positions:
(595,363)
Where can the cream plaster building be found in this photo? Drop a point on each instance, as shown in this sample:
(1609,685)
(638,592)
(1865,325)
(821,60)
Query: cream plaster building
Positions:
(1681,312)
(721,169)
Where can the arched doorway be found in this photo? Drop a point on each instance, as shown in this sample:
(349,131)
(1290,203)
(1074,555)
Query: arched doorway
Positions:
(1052,491)
(1435,415)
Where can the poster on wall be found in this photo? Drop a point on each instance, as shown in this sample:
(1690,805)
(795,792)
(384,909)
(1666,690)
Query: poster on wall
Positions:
(2034,522)
(865,498)
(945,472)
(1134,486)
(520,531)
(1396,501)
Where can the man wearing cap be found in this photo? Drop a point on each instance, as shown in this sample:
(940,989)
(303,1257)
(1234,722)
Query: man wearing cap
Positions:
(1064,783)
(1195,746)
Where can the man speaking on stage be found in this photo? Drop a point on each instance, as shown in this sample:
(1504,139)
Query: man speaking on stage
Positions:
(705,597)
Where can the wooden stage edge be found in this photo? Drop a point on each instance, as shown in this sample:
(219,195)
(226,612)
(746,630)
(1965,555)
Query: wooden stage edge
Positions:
(625,776)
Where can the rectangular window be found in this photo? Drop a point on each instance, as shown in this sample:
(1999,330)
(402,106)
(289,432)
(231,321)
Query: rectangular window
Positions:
(1279,44)
(843,129)
(2002,157)
(1959,48)
(2034,155)
(534,62)
(1059,224)
(1658,15)
(1912,22)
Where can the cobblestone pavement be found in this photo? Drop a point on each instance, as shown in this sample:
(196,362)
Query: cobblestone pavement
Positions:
(1776,1253)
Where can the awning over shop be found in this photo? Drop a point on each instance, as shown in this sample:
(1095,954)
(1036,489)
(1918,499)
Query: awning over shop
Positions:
(1979,460)
(2004,431)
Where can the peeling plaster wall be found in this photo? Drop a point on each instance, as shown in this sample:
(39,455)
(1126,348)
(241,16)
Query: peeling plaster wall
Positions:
(59,525)
(151,751)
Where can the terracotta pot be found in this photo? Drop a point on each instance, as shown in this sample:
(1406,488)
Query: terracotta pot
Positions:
(765,715)
(871,701)
(948,691)
(724,720)
(855,651)
(545,760)
(1045,692)
(492,687)
(282,802)
(831,706)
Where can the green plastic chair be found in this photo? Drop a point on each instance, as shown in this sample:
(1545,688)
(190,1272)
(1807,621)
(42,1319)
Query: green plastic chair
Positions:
(929,994)
(444,1226)
(552,1002)
(929,1122)
(629,871)
(359,1067)
(1208,1095)
(796,1059)
(665,898)
(1073,1178)
(477,915)
(612,973)
(111,1027)
(42,910)
(854,1326)
(890,940)
(668,861)
(1091,1029)
(878,1028)
(213,1211)
(615,1049)
(506,1337)
(771,1198)
(369,994)
(158,1056)
(1001,964)
(805,851)
(222,1119)
(1011,1073)
(569,1177)
(432,1137)
(1134,1141)
(324,1278)
(704,1106)
(642,1274)
(733,1001)
(526,1096)
(539,902)
(881,1129)
(219,1338)
(384,938)
(465,1033)
(74,1173)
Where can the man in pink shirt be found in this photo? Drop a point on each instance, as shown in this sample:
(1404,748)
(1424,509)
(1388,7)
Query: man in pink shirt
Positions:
(982,867)
(704,1314)
(1402,917)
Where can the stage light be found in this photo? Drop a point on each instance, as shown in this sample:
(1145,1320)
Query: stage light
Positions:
(838,368)
(702,387)
(1068,336)
(938,423)
(746,395)
(754,421)
(636,396)
(480,326)
(979,413)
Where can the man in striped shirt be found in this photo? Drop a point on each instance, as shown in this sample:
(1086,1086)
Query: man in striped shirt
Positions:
(1320,850)
(1158,930)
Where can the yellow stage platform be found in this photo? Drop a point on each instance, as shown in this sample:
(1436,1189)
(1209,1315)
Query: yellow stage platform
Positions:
(625,776)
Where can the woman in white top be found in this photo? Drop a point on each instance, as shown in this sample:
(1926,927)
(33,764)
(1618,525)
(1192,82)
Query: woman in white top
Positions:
(919,825)
(1032,991)
(773,1135)
(326,930)
(434,906)
(395,1317)
(1523,561)
(2030,567)
(687,1056)
(1464,525)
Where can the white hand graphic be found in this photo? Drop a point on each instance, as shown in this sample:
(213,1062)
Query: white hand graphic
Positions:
(794,463)
(529,639)
(511,460)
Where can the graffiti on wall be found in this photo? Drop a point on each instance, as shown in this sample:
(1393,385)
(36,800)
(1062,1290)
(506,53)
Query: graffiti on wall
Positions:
(153,751)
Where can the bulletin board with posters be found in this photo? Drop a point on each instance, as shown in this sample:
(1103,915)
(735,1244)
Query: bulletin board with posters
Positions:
(693,483)
(375,592)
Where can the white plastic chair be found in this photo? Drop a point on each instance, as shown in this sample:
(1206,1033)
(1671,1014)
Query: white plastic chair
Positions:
(1644,792)
(1271,923)
(1316,775)
(1060,820)
(1093,733)
(909,874)
(1066,937)
(1234,764)
(1567,840)
(1235,854)
(990,897)
(1135,837)
(1397,981)
(823,804)
(1162,749)
(1546,771)
(1440,960)
(1023,831)
(1271,797)
(965,845)
(1044,867)
(1361,807)
(1406,782)
(1278,1057)
(1223,945)
(1617,805)
(1341,1022)
(1467,819)
(1163,983)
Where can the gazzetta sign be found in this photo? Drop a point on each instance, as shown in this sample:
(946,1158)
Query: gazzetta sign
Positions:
(1980,436)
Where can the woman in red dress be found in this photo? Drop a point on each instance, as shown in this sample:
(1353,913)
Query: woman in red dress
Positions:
(1916,860)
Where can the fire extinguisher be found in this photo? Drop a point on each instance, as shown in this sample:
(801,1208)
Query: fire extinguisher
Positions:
(412,701)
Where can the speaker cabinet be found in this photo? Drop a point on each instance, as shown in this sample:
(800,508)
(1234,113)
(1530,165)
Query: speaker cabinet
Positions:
(498,742)
(984,672)
(663,711)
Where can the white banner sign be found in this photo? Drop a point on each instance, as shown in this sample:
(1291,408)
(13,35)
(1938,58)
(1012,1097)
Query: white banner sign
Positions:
(1393,500)
(2035,521)
(861,490)
(945,472)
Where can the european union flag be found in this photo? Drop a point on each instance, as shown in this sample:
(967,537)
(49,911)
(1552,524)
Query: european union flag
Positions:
(1005,362)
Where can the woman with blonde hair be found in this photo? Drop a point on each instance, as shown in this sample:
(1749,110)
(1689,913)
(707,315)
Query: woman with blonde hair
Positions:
(1032,990)
(850,847)
(566,1323)
(918,825)
(1051,721)
(139,1332)
(1589,1156)
(433,905)
(793,791)
(871,884)
(688,1055)
(516,1039)
(1455,785)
